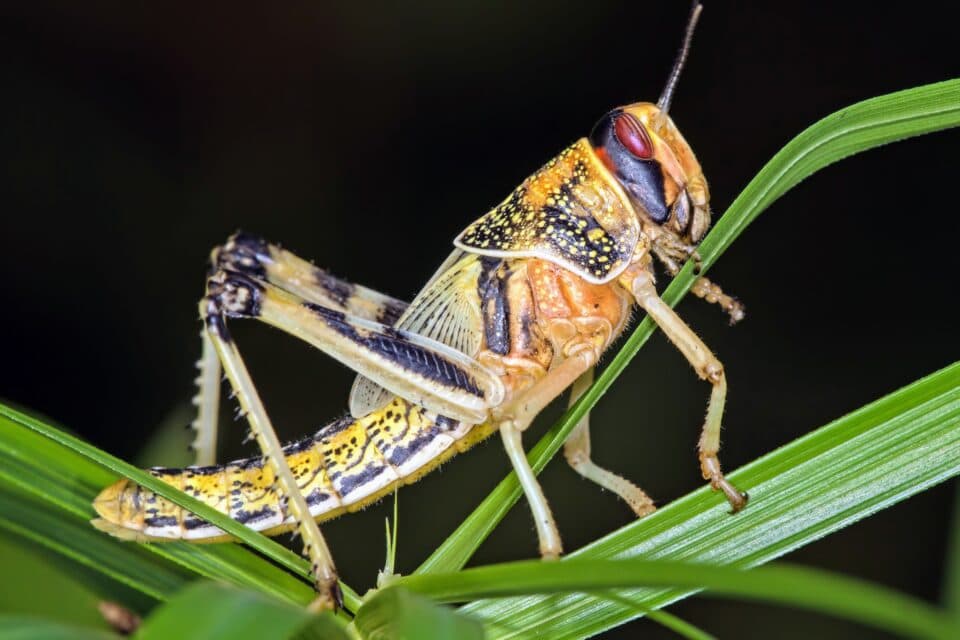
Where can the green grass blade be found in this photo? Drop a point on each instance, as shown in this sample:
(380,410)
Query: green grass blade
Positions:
(208,610)
(15,627)
(62,471)
(951,587)
(666,619)
(47,477)
(397,614)
(862,126)
(75,539)
(678,625)
(261,543)
(53,587)
(864,462)
(855,600)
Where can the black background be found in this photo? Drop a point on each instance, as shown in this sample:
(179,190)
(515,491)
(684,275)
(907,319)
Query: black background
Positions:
(135,138)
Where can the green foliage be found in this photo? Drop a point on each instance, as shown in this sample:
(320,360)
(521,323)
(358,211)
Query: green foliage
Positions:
(866,461)
(208,610)
(48,585)
(24,628)
(951,588)
(396,614)
(794,586)
(49,479)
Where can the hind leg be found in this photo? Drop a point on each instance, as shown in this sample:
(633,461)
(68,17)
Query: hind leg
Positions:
(243,253)
(248,254)
(293,503)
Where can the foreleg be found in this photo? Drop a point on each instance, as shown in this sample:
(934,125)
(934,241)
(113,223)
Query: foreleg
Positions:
(707,366)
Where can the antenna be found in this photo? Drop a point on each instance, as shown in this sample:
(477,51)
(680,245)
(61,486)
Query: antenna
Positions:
(664,102)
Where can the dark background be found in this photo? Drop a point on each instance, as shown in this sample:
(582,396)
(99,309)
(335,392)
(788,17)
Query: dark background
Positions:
(135,138)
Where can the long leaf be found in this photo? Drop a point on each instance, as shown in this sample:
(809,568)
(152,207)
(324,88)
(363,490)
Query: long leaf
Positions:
(869,460)
(862,126)
(207,610)
(59,470)
(397,614)
(820,591)
(951,587)
(14,627)
(76,539)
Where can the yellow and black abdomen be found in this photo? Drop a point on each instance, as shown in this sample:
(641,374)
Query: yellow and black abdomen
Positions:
(345,466)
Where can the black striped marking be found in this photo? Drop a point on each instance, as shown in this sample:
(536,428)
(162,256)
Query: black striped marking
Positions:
(393,345)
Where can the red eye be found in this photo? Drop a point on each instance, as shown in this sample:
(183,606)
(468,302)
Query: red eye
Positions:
(633,136)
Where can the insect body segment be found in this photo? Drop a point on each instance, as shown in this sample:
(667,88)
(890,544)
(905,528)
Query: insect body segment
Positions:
(571,212)
(343,467)
(653,163)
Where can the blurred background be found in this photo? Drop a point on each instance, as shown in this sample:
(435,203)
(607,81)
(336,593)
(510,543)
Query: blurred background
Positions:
(136,137)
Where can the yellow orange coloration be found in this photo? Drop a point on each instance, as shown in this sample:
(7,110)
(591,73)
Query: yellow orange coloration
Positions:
(572,211)
(351,452)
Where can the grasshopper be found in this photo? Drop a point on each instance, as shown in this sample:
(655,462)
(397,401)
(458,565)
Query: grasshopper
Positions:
(533,294)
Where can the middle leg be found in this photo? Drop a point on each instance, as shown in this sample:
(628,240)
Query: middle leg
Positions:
(514,420)
(577,452)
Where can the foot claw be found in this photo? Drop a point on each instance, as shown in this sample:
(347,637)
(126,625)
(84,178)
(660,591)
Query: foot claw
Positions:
(737,499)
(329,598)
(643,509)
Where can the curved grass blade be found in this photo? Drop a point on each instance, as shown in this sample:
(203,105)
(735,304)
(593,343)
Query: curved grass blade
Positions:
(77,540)
(855,600)
(64,471)
(679,626)
(398,614)
(14,627)
(209,610)
(42,583)
(862,126)
(951,587)
(157,571)
(864,462)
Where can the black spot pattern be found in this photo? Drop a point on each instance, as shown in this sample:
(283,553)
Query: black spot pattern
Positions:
(568,212)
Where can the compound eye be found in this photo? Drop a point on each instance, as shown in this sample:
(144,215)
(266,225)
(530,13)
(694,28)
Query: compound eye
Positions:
(633,136)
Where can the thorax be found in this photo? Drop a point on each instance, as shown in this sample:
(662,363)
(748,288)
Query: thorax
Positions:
(535,312)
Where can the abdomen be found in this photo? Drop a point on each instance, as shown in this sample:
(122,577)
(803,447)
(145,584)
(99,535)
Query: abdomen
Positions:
(347,465)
